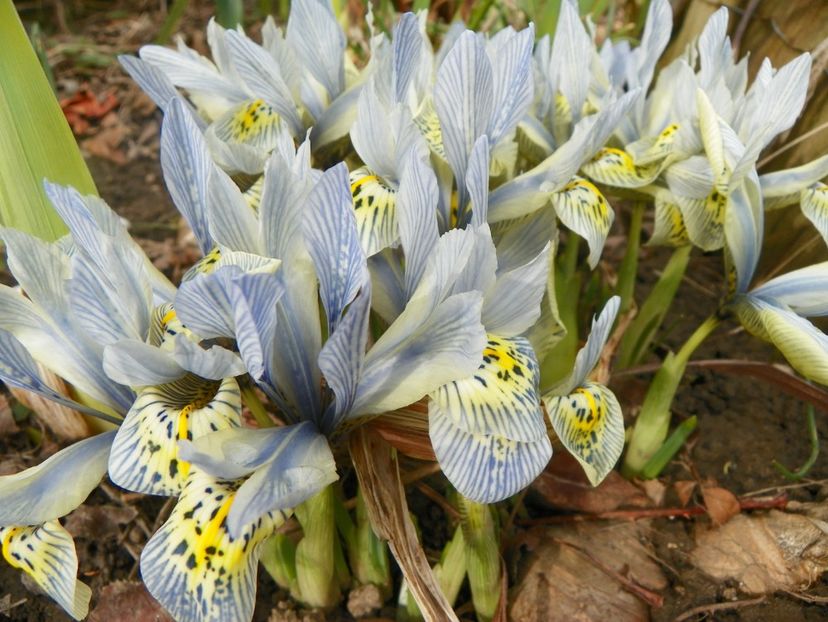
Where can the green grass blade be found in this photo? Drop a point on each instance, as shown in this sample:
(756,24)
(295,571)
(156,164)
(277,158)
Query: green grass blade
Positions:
(35,140)
(670,448)
(642,330)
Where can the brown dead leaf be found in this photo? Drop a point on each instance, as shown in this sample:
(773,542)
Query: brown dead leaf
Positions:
(127,601)
(557,582)
(67,424)
(99,522)
(107,144)
(654,490)
(721,504)
(684,490)
(765,553)
(378,472)
(563,485)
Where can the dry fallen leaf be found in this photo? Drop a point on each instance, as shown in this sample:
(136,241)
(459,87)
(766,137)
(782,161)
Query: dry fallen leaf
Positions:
(721,504)
(378,472)
(765,553)
(558,583)
(127,601)
(684,490)
(563,485)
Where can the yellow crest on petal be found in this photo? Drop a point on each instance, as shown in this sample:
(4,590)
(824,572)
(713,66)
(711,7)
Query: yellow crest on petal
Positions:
(193,566)
(590,425)
(814,201)
(375,208)
(47,554)
(205,265)
(615,167)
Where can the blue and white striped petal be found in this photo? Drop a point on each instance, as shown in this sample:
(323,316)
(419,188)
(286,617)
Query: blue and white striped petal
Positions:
(47,554)
(501,397)
(232,223)
(193,566)
(57,485)
(512,83)
(584,210)
(589,423)
(783,188)
(426,347)
(463,95)
(744,228)
(185,161)
(342,357)
(318,42)
(144,456)
(804,291)
(333,242)
(572,49)
(154,83)
(588,356)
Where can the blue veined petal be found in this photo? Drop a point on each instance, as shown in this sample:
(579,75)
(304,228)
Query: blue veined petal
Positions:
(342,357)
(501,397)
(287,182)
(300,467)
(615,167)
(194,567)
(336,121)
(375,211)
(425,348)
(530,191)
(387,284)
(572,51)
(234,453)
(814,203)
(112,302)
(319,43)
(744,228)
(193,74)
(590,424)
(519,242)
(463,99)
(135,363)
(144,456)
(90,219)
(185,161)
(57,485)
(417,218)
(657,28)
(584,210)
(47,554)
(273,40)
(232,223)
(477,181)
(280,348)
(205,302)
(155,84)
(512,305)
(783,188)
(802,344)
(18,369)
(513,87)
(253,123)
(714,48)
(588,356)
(333,243)
(485,468)
(408,52)
(263,78)
(805,290)
(213,363)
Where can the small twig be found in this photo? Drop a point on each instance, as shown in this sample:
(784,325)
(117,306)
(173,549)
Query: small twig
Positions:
(808,598)
(791,257)
(793,143)
(763,491)
(713,607)
(648,596)
(742,26)
(507,527)
(778,502)
(432,494)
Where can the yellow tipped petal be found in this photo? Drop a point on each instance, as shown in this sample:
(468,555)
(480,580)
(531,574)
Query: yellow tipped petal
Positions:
(614,167)
(375,211)
(47,554)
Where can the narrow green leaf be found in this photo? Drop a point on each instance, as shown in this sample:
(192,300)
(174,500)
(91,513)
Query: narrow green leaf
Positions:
(35,140)
(229,13)
(669,449)
(645,325)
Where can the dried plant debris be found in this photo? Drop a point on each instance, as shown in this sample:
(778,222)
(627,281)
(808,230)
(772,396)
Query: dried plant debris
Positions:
(561,581)
(765,553)
(127,601)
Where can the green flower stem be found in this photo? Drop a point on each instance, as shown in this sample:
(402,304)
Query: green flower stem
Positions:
(653,421)
(482,557)
(257,409)
(279,559)
(317,574)
(629,265)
